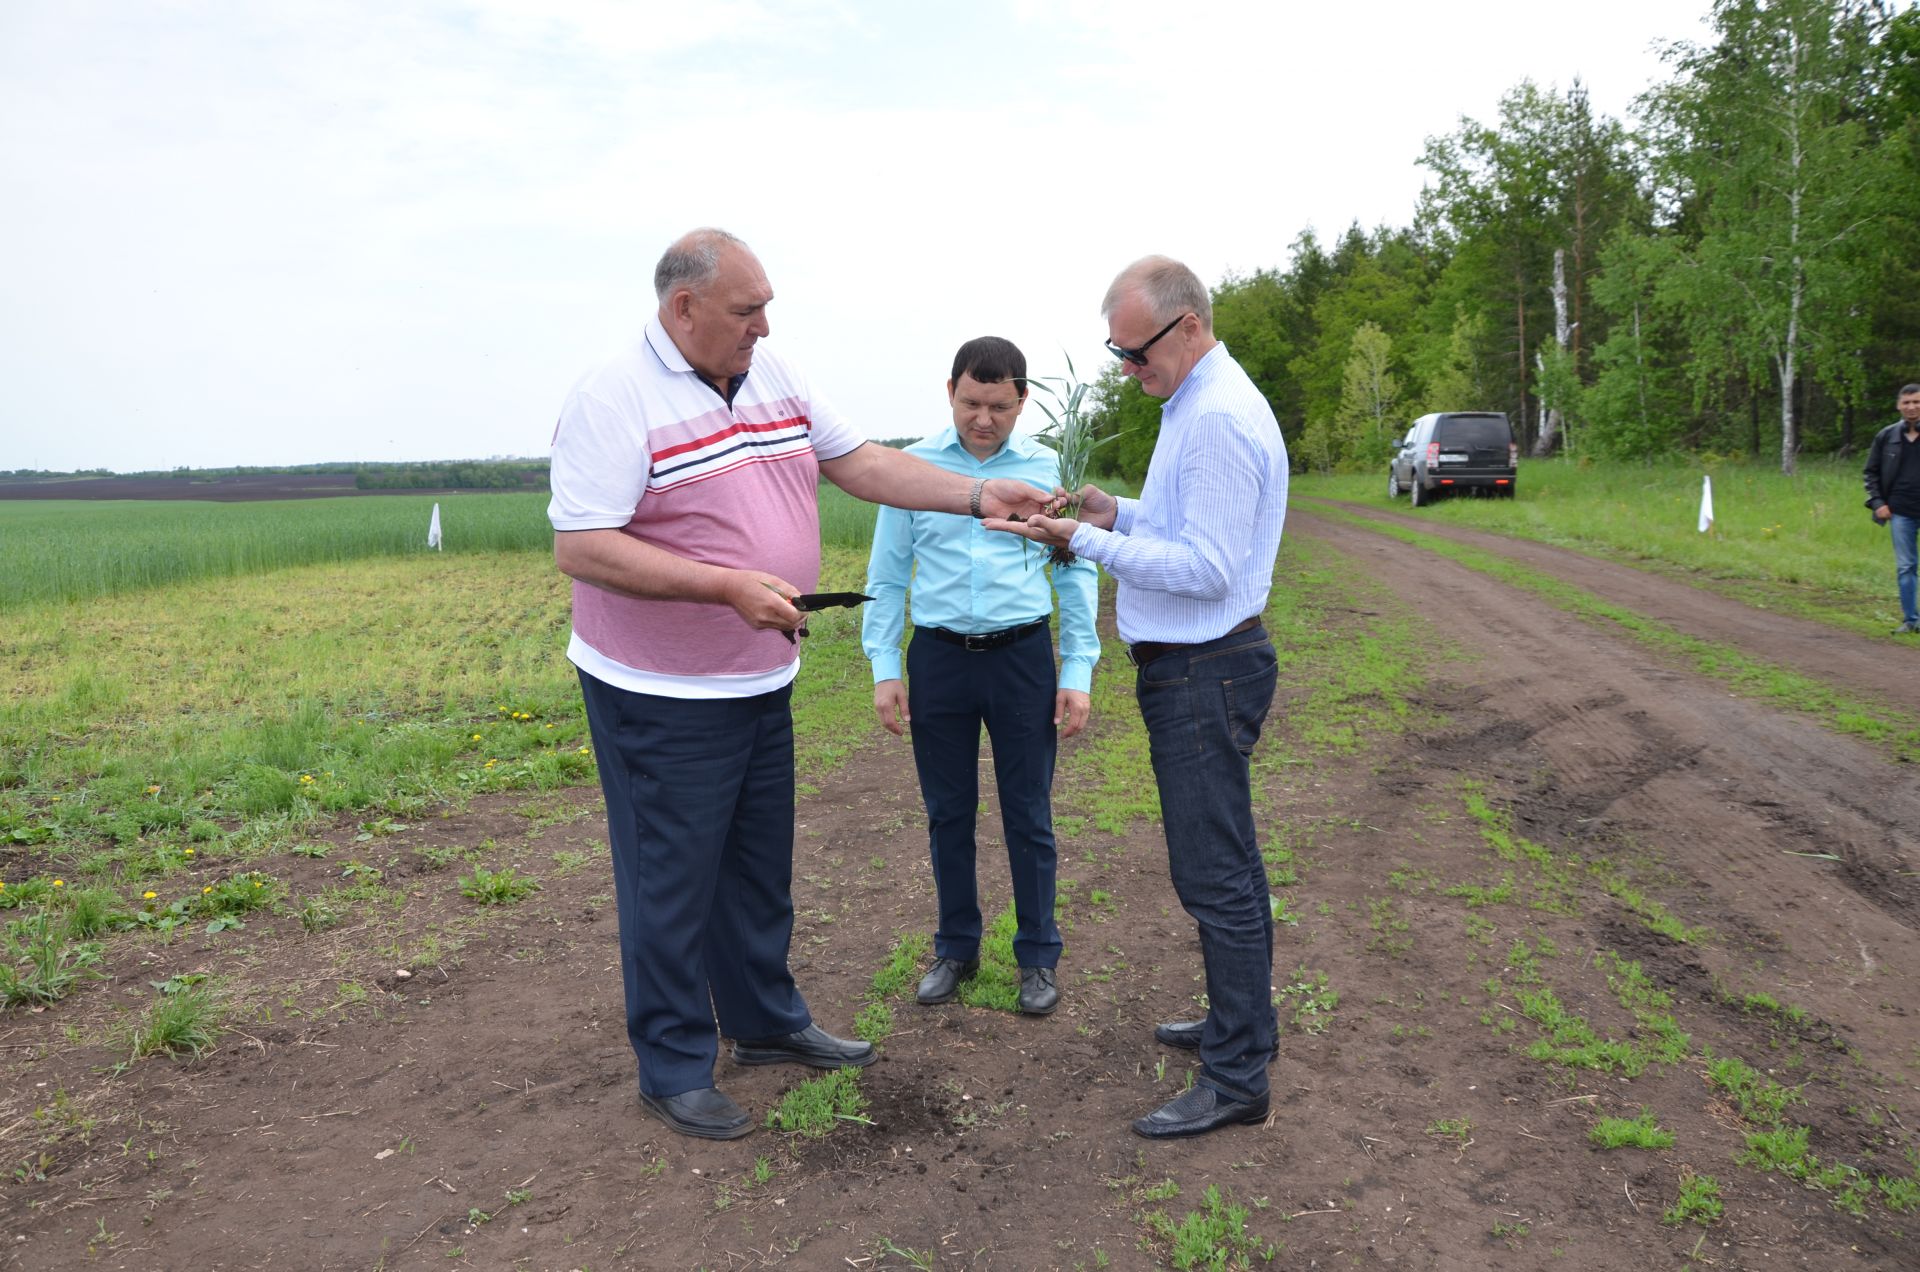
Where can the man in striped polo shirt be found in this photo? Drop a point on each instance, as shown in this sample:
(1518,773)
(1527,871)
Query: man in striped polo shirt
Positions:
(1193,557)
(684,486)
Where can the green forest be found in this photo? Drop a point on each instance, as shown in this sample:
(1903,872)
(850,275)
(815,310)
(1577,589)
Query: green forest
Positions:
(1731,269)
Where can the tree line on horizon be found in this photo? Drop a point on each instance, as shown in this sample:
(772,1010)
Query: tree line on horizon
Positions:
(1732,270)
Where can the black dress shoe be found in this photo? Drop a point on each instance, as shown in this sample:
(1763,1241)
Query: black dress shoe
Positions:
(1196,1111)
(942,980)
(1185,1034)
(705,1113)
(812,1045)
(1038,994)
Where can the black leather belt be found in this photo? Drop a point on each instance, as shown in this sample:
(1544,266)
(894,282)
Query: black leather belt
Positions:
(1148,650)
(984,640)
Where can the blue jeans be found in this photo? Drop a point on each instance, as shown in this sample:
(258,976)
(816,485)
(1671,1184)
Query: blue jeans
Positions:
(951,692)
(1904,531)
(1203,707)
(700,816)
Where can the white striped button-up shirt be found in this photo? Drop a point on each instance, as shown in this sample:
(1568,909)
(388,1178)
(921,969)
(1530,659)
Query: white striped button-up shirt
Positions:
(1193,555)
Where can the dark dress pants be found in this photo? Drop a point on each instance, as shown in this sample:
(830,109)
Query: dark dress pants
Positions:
(951,692)
(700,816)
(1203,706)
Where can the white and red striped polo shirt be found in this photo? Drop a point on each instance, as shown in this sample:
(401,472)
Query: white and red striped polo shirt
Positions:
(646,446)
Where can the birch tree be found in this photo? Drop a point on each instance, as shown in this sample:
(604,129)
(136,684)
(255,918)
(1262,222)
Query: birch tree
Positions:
(1789,189)
(1368,395)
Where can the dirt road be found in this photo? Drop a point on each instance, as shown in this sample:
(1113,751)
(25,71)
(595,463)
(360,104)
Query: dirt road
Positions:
(1564,793)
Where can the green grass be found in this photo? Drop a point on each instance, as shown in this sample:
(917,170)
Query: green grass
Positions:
(1631,1132)
(1699,1201)
(496,887)
(228,714)
(818,1105)
(1214,1238)
(187,1021)
(65,550)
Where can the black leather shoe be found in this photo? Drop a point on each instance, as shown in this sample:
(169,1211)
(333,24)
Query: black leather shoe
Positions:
(705,1114)
(1185,1034)
(942,980)
(812,1045)
(1196,1111)
(1038,994)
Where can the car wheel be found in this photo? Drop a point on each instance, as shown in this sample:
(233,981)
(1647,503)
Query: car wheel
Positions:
(1415,490)
(1393,484)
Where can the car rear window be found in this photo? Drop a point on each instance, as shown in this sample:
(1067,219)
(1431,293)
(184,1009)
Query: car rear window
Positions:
(1474,432)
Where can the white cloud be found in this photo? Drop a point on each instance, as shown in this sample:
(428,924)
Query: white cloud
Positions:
(253,233)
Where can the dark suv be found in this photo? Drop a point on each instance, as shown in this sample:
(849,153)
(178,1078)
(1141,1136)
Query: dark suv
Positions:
(1455,450)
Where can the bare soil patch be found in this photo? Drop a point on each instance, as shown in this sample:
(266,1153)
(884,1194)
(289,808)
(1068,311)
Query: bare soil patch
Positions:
(360,1119)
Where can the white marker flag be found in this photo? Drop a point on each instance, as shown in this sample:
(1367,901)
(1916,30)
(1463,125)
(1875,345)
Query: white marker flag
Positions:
(433,528)
(1706,504)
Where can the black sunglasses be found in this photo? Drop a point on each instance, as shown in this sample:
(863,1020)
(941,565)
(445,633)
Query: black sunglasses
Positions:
(1139,356)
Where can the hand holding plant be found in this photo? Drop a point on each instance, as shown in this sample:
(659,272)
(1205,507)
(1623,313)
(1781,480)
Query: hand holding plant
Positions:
(1070,433)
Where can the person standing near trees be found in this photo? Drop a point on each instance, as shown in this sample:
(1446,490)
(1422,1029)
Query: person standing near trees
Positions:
(1892,479)
(980,655)
(1194,560)
(685,476)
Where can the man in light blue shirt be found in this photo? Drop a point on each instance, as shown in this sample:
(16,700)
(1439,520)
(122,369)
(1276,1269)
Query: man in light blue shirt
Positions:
(980,655)
(1193,557)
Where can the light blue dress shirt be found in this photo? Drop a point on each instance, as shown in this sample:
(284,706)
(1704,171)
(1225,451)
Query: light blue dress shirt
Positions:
(970,579)
(1193,555)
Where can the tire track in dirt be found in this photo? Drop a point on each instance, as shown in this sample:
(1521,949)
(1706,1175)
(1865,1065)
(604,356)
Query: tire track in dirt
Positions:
(1610,743)
(1862,665)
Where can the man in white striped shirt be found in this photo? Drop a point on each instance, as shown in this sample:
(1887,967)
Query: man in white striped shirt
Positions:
(1193,557)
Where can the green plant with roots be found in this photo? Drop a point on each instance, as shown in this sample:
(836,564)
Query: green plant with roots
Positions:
(1069,433)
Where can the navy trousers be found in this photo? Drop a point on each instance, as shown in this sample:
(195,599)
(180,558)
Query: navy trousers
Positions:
(700,816)
(1203,706)
(951,692)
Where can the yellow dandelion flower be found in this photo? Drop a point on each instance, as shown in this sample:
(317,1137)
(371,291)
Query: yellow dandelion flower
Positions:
(59,883)
(189,852)
(258,884)
(476,737)
(205,890)
(305,778)
(149,895)
(56,799)
(549,726)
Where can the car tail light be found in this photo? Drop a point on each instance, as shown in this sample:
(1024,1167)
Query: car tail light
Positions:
(1513,454)
(1433,456)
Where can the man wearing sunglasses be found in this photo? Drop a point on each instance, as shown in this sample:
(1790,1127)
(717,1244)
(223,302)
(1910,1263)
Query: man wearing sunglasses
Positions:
(685,476)
(1193,557)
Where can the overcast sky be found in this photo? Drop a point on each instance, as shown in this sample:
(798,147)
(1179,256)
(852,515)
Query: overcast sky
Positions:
(248,232)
